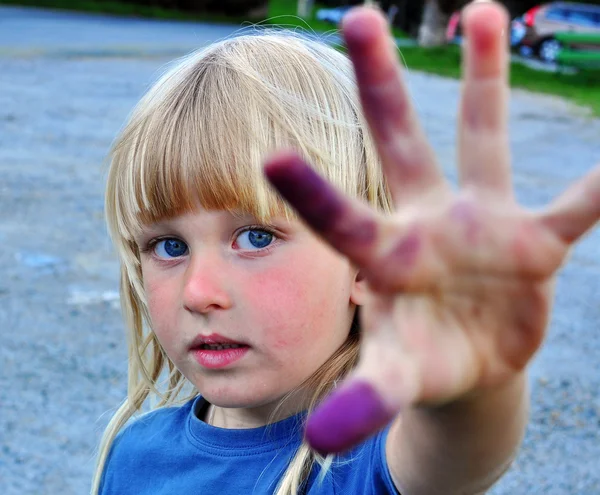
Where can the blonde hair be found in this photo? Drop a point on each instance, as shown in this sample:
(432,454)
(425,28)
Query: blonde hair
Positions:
(201,135)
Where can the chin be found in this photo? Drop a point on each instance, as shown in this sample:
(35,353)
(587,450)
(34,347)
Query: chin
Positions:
(239,397)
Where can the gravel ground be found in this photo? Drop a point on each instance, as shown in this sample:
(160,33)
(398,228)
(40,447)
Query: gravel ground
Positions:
(67,82)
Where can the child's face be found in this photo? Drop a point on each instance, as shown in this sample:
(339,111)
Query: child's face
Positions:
(285,294)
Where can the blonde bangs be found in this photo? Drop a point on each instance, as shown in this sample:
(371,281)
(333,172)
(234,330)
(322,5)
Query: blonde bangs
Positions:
(201,135)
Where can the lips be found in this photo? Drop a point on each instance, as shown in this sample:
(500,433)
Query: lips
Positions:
(216,351)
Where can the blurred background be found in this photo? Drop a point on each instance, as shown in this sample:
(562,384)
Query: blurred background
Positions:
(70,73)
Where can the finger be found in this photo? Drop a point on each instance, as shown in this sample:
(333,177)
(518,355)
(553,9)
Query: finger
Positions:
(348,417)
(393,256)
(408,161)
(577,210)
(365,403)
(406,360)
(349,226)
(385,382)
(483,146)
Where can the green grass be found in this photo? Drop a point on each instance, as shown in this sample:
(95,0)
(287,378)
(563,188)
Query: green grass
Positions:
(569,37)
(580,58)
(124,9)
(284,13)
(443,60)
(582,88)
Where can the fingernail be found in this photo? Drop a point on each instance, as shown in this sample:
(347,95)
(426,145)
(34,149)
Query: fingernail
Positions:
(350,415)
(475,3)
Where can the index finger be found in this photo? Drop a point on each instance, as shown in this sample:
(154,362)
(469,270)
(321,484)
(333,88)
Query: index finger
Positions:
(348,225)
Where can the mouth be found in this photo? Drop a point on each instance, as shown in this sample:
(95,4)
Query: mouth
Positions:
(220,347)
(215,342)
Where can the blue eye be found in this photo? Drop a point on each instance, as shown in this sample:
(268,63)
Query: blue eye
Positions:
(170,248)
(254,239)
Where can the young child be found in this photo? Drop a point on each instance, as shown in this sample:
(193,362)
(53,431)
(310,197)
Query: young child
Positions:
(414,308)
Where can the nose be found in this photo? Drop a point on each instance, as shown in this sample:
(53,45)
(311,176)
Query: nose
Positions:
(205,284)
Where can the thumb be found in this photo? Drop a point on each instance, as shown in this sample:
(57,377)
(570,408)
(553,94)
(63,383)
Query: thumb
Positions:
(349,416)
(363,405)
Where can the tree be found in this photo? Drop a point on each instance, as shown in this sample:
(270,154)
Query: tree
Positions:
(305,8)
(432,31)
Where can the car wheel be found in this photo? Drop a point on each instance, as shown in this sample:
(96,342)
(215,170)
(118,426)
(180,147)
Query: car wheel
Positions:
(548,50)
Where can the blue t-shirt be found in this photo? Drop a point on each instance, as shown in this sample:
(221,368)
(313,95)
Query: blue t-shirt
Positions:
(170,451)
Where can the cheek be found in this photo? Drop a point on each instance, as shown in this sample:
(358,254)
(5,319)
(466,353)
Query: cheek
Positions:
(161,303)
(300,307)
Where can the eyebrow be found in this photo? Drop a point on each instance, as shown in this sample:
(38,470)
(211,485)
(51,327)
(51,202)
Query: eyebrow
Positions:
(149,230)
(171,223)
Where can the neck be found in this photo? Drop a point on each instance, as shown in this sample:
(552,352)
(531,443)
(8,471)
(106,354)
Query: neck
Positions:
(254,417)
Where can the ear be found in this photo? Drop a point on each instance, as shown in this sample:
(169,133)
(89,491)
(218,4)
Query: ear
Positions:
(358,293)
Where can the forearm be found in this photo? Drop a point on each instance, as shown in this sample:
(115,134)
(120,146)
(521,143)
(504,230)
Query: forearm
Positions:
(461,448)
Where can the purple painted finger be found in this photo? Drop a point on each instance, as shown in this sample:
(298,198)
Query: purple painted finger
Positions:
(349,416)
(408,160)
(347,225)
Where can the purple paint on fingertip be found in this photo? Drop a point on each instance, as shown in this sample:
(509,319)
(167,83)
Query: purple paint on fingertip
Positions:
(311,195)
(350,415)
(283,166)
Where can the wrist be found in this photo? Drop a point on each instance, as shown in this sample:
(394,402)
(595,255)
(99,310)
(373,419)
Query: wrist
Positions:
(473,439)
(505,395)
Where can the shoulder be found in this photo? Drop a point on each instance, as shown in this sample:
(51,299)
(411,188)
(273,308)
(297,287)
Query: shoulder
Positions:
(163,417)
(138,447)
(153,427)
(148,433)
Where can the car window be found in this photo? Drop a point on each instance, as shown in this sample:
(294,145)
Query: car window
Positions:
(582,18)
(557,14)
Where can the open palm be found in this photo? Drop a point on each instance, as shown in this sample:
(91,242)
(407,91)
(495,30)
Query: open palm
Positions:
(460,281)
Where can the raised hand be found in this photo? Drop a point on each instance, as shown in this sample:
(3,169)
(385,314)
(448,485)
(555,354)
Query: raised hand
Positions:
(460,283)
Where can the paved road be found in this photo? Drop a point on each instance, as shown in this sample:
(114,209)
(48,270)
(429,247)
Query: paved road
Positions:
(67,82)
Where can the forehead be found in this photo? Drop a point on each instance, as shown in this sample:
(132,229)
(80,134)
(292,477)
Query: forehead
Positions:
(200,141)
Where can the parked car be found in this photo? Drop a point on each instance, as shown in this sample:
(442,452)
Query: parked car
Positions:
(543,22)
(332,15)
